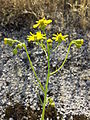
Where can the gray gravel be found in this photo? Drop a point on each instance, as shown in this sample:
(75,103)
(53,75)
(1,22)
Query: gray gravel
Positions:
(70,88)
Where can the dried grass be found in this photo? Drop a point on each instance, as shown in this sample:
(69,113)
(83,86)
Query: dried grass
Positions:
(54,9)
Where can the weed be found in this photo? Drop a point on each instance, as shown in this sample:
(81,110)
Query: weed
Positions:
(40,38)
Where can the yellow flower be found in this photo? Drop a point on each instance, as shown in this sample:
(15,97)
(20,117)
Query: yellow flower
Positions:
(36,37)
(40,35)
(59,37)
(42,23)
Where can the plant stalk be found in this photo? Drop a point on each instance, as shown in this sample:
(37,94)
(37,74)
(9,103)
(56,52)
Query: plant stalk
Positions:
(46,86)
(33,68)
(63,61)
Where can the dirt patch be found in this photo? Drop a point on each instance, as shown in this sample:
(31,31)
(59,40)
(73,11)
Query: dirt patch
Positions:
(20,112)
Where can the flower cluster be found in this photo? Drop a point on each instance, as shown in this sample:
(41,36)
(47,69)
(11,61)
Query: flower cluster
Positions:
(78,42)
(11,42)
(42,23)
(8,41)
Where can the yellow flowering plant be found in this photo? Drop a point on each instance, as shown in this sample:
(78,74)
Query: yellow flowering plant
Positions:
(39,39)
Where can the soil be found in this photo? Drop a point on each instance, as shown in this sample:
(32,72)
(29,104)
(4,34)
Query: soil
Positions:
(20,112)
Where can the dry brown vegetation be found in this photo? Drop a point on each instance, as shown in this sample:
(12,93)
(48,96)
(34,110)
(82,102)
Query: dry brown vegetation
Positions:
(60,10)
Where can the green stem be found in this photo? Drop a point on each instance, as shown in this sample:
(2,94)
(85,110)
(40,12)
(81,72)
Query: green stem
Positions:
(17,41)
(44,49)
(63,61)
(46,86)
(33,68)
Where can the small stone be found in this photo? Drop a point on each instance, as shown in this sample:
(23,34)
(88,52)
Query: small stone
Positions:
(9,103)
(11,119)
(25,118)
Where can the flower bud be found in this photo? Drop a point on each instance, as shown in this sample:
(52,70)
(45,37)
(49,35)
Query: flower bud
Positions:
(8,41)
(15,51)
(5,40)
(49,41)
(20,46)
(51,102)
(78,42)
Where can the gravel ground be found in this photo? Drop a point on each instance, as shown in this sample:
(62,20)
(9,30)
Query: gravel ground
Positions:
(70,88)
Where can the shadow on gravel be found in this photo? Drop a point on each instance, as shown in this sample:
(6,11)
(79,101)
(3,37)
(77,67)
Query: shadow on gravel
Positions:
(20,112)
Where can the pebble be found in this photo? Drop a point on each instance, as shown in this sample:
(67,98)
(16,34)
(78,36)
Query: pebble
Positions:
(68,89)
(11,119)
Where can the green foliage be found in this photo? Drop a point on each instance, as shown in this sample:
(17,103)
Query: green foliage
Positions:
(39,39)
